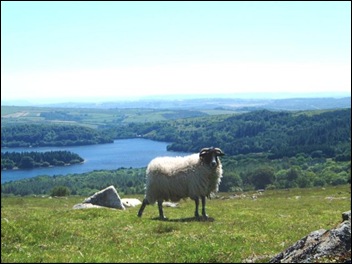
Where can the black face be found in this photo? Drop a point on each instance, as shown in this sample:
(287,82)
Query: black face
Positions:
(210,156)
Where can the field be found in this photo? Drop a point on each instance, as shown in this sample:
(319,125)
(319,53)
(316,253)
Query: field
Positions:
(242,228)
(95,117)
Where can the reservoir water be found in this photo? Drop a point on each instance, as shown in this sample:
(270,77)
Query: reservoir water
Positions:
(126,153)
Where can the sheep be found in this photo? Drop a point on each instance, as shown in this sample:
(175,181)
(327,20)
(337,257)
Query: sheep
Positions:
(176,178)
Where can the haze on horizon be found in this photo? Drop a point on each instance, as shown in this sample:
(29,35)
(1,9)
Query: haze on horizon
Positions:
(95,50)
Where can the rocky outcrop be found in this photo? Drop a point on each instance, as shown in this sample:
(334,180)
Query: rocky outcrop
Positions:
(86,206)
(107,197)
(334,244)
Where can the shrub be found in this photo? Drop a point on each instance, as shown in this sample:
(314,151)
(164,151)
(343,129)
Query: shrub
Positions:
(60,191)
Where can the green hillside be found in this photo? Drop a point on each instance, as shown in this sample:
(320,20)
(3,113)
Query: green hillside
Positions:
(278,133)
(264,149)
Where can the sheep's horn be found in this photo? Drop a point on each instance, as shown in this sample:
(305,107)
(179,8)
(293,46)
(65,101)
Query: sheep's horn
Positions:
(219,152)
(203,151)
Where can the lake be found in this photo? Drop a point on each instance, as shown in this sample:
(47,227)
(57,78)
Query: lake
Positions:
(134,153)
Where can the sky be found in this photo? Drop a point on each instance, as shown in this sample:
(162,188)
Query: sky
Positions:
(90,50)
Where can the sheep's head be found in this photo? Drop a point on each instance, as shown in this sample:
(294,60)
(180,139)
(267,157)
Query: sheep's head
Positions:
(210,156)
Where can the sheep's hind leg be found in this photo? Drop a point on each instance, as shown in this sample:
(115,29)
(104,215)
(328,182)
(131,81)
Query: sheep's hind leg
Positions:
(140,212)
(204,214)
(161,212)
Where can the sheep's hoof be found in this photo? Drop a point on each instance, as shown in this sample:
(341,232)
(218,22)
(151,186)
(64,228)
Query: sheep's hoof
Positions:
(163,218)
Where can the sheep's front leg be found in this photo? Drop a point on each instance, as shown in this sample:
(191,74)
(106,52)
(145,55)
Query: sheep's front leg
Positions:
(204,214)
(161,212)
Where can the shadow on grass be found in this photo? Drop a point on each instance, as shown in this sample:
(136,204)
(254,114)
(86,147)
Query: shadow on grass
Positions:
(187,219)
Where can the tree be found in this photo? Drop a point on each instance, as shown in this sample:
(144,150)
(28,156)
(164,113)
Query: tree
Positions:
(262,177)
(7,164)
(230,180)
(26,163)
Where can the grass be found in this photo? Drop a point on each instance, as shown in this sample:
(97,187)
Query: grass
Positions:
(42,229)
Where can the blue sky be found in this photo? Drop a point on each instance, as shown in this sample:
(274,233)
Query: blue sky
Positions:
(90,50)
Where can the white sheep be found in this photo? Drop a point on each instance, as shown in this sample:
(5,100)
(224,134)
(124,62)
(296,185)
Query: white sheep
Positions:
(174,178)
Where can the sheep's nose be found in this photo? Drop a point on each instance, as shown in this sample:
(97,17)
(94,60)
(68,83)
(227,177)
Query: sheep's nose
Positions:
(213,163)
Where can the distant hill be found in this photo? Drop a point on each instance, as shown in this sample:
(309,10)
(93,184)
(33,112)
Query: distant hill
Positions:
(310,103)
(238,104)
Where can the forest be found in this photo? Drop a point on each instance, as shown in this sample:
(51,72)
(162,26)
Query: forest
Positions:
(49,134)
(33,159)
(264,150)
(280,134)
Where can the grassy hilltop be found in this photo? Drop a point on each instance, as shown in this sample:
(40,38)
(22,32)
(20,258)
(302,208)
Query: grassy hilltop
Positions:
(246,228)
